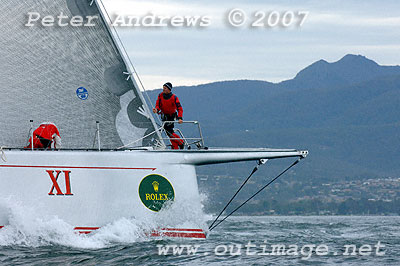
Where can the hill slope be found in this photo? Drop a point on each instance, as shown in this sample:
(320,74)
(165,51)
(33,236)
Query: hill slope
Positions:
(346,113)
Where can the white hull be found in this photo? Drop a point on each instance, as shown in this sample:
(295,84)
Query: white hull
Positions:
(96,188)
(104,185)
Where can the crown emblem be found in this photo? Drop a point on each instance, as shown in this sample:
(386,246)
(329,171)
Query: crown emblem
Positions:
(155,186)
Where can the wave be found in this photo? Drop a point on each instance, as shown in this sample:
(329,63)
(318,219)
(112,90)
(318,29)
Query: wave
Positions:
(32,227)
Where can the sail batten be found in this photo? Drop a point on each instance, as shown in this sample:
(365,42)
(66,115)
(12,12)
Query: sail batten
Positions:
(71,76)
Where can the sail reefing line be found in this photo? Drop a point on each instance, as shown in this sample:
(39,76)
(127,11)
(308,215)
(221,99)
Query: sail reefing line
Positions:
(3,155)
(130,74)
(159,143)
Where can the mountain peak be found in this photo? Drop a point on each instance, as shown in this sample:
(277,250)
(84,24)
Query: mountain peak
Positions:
(356,59)
(350,69)
(321,61)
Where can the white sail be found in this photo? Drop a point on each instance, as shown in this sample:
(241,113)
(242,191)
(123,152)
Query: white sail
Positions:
(70,75)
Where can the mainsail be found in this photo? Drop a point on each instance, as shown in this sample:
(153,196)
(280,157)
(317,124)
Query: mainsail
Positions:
(70,75)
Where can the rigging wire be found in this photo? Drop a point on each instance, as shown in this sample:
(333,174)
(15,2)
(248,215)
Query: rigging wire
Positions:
(255,194)
(128,57)
(240,188)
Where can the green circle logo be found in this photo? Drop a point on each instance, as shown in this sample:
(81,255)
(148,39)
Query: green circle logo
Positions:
(155,191)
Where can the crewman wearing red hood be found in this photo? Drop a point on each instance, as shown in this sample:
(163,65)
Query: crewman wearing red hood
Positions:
(45,136)
(170,108)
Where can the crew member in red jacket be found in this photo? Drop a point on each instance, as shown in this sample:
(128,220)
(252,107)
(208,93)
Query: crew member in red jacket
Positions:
(170,108)
(45,136)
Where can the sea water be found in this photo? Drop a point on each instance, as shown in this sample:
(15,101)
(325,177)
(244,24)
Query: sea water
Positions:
(30,239)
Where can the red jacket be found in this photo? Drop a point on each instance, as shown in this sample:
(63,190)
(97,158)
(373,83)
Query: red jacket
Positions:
(46,131)
(169,104)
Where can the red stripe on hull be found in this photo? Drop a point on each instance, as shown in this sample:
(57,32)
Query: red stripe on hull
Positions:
(178,234)
(179,229)
(75,167)
(1,227)
(86,228)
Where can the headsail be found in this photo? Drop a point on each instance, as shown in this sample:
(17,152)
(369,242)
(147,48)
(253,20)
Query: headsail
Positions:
(70,75)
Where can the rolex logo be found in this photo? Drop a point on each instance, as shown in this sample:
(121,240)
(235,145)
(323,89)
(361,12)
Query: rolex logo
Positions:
(154,191)
(155,186)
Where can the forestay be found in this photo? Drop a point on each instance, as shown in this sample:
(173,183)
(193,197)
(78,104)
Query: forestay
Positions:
(70,75)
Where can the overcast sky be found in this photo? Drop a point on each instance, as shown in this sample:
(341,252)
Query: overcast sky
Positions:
(188,56)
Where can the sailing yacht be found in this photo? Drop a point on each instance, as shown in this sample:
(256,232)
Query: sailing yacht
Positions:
(114,162)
